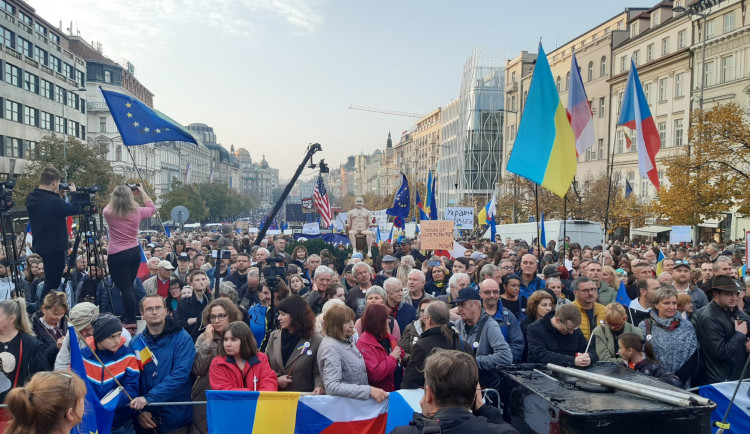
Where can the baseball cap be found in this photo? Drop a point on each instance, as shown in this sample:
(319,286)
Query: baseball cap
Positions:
(165,264)
(388,258)
(216,238)
(478,255)
(551,271)
(183,257)
(681,263)
(466,294)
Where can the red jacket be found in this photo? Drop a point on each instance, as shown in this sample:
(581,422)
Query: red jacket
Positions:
(224,374)
(381,367)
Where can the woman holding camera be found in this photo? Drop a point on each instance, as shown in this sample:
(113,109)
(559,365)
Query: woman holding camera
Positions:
(123,217)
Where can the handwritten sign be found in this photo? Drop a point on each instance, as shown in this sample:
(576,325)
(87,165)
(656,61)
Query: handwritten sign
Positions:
(437,234)
(381,219)
(681,234)
(463,216)
(311,228)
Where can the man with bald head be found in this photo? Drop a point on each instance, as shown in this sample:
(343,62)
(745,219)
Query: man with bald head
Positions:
(530,282)
(489,291)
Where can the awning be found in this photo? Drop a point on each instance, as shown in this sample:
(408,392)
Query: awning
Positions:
(650,231)
(710,223)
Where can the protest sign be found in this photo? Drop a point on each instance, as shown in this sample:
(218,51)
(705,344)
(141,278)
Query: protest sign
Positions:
(437,234)
(462,216)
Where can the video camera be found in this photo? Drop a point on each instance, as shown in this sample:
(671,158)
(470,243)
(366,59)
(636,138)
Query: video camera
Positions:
(82,197)
(134,187)
(274,272)
(6,194)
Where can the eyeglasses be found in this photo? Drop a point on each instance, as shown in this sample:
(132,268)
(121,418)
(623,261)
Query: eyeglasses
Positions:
(508,267)
(220,317)
(154,309)
(491,292)
(571,330)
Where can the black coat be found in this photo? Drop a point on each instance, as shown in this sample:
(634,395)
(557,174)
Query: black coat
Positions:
(547,345)
(722,349)
(428,341)
(47,212)
(454,420)
(192,308)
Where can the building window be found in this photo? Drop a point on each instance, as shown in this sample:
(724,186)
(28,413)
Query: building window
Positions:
(729,22)
(6,37)
(59,124)
(623,61)
(30,82)
(45,121)
(59,94)
(727,68)
(54,38)
(12,147)
(590,72)
(557,83)
(644,188)
(601,107)
(662,127)
(70,99)
(567,81)
(620,142)
(600,147)
(678,132)
(681,39)
(635,58)
(72,128)
(30,115)
(55,63)
(709,29)
(45,88)
(513,77)
(108,76)
(12,111)
(68,70)
(118,153)
(12,74)
(103,125)
(648,92)
(634,30)
(40,55)
(619,103)
(29,150)
(679,85)
(24,47)
(40,29)
(710,73)
(603,66)
(7,7)
(665,46)
(662,89)
(650,52)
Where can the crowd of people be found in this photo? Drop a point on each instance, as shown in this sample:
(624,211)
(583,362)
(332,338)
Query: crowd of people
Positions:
(359,329)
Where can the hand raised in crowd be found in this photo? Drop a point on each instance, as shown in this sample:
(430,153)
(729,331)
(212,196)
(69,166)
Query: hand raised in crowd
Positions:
(209,332)
(583,360)
(284,381)
(740,326)
(378,394)
(145,420)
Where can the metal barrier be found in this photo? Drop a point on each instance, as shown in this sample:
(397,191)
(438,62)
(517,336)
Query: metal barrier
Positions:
(497,394)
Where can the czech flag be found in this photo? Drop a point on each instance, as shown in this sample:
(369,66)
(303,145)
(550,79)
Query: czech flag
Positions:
(545,148)
(288,412)
(721,394)
(143,267)
(636,115)
(422,214)
(579,110)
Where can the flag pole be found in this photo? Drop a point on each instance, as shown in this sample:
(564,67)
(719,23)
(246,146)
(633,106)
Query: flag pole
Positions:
(538,232)
(610,170)
(565,226)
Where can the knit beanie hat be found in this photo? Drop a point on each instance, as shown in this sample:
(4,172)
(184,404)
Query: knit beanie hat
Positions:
(105,325)
(82,314)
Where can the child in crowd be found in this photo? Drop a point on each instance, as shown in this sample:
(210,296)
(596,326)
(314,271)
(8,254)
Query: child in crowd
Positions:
(638,354)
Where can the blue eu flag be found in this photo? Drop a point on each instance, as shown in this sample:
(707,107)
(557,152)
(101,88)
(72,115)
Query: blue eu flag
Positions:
(401,200)
(139,124)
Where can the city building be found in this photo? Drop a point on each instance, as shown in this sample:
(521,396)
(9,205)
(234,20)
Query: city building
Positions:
(224,166)
(257,180)
(40,87)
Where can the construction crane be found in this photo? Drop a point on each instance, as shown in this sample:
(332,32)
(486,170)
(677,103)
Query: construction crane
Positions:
(386,111)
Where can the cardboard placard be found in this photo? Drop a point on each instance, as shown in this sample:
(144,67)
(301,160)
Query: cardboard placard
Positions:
(437,234)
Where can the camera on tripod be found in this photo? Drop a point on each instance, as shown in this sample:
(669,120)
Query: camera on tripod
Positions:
(82,197)
(6,194)
(274,272)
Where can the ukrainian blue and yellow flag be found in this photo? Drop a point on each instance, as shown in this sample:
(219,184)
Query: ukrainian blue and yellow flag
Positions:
(545,148)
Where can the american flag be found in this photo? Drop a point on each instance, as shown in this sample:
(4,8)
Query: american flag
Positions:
(320,198)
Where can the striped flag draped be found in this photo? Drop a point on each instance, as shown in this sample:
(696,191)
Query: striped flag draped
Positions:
(320,199)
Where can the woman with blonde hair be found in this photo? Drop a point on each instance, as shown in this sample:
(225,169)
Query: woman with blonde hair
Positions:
(123,217)
(610,277)
(615,325)
(52,402)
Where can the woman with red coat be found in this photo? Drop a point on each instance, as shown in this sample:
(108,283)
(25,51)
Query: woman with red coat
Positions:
(239,365)
(379,348)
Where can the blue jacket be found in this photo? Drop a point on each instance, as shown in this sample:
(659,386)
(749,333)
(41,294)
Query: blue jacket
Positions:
(406,314)
(124,366)
(111,300)
(527,290)
(170,380)
(511,329)
(47,212)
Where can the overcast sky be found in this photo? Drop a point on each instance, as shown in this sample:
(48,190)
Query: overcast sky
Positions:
(272,76)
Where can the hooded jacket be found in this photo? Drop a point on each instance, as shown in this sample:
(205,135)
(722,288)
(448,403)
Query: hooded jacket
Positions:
(47,212)
(170,380)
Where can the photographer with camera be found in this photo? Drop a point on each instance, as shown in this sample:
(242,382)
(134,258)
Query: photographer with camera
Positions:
(123,217)
(47,212)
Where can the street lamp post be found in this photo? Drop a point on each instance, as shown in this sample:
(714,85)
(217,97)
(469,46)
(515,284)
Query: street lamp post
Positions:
(515,177)
(65,136)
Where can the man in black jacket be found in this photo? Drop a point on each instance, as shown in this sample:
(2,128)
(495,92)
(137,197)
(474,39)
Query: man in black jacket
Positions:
(722,333)
(557,339)
(47,213)
(450,403)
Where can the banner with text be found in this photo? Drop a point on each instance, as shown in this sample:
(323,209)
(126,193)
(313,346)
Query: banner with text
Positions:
(463,216)
(437,234)
(311,228)
(381,219)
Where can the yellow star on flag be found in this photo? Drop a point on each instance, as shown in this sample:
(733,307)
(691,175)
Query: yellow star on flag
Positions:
(158,131)
(130,115)
(127,104)
(145,130)
(135,124)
